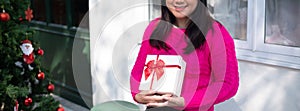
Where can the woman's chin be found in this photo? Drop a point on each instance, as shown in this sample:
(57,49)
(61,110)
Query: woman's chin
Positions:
(180,16)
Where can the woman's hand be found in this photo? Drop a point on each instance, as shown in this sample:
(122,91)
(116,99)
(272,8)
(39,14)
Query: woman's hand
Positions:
(170,101)
(145,97)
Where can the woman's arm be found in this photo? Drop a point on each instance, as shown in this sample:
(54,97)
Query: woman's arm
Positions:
(137,71)
(224,79)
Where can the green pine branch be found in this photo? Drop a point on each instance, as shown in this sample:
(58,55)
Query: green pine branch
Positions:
(15,92)
(17,83)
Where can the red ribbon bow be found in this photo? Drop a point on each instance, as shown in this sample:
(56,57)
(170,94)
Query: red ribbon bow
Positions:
(157,67)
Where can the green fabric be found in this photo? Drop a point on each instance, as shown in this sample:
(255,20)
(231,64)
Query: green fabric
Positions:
(116,106)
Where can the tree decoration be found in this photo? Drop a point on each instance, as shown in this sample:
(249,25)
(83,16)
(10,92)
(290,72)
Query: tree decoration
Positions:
(27,101)
(50,87)
(40,52)
(4,17)
(16,105)
(20,19)
(41,75)
(28,14)
(60,108)
(27,50)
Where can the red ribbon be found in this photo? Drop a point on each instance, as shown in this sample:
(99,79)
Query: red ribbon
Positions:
(156,67)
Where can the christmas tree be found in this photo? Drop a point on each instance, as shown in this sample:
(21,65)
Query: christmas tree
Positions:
(24,83)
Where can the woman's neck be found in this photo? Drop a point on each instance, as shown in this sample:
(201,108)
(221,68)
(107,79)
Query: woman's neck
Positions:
(181,22)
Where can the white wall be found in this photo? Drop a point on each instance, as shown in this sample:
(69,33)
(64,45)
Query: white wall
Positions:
(116,26)
(265,88)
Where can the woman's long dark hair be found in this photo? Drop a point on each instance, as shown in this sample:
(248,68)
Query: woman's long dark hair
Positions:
(198,25)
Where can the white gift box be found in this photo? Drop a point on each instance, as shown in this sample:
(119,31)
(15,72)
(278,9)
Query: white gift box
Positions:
(167,78)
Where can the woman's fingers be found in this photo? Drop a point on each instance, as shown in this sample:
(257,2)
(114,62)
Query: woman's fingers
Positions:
(155,98)
(151,98)
(145,97)
(158,104)
(142,96)
(175,101)
(164,93)
(168,101)
(167,95)
(148,92)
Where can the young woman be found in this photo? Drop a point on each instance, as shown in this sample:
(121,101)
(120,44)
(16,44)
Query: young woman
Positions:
(185,28)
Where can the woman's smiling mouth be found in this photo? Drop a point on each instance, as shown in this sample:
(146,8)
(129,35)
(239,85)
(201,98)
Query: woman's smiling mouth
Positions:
(180,8)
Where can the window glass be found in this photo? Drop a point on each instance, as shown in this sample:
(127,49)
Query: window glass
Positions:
(232,14)
(282,22)
(79,9)
(154,9)
(39,10)
(58,9)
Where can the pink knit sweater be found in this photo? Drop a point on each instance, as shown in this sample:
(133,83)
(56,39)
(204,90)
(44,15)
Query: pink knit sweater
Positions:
(211,73)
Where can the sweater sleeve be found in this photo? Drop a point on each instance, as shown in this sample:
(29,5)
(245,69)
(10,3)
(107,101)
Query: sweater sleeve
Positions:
(224,78)
(137,70)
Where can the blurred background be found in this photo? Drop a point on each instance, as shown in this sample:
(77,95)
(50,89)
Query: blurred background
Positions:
(266,34)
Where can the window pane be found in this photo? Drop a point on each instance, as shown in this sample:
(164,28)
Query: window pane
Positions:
(39,10)
(58,8)
(80,8)
(232,14)
(154,9)
(282,22)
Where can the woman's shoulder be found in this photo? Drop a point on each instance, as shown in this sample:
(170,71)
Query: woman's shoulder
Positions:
(217,24)
(225,33)
(155,21)
(219,30)
(150,28)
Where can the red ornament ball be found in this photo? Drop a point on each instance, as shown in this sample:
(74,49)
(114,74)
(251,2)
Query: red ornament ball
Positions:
(40,52)
(4,17)
(60,109)
(50,88)
(27,101)
(41,75)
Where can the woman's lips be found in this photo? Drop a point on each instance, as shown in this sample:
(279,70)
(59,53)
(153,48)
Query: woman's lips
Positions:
(180,8)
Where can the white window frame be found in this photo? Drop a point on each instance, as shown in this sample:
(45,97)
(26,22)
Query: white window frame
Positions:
(255,50)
